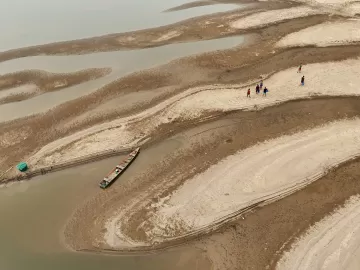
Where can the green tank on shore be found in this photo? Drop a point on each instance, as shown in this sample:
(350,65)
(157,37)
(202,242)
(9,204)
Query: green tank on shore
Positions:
(22,167)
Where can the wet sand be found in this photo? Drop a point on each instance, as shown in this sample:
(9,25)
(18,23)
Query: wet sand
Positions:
(259,240)
(191,30)
(174,77)
(250,238)
(189,105)
(245,242)
(121,64)
(208,148)
(111,17)
(41,206)
(29,83)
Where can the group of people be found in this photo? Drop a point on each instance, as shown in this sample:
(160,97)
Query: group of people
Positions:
(258,89)
(265,91)
(303,77)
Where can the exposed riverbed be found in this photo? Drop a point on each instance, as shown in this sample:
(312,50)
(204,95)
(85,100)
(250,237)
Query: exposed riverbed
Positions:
(187,113)
(87,18)
(34,213)
(121,62)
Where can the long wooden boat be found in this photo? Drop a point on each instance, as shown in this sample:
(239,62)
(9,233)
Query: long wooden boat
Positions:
(119,169)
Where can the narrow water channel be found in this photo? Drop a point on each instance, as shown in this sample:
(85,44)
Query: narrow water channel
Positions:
(34,213)
(121,62)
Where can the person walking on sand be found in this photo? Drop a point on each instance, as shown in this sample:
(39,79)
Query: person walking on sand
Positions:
(265,91)
(261,84)
(248,93)
(299,69)
(257,89)
(303,80)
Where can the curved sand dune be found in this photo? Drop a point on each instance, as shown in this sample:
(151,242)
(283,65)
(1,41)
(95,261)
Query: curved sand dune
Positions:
(264,172)
(325,34)
(335,4)
(332,243)
(273,16)
(333,79)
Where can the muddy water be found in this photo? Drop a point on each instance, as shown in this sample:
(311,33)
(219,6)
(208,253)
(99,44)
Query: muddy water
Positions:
(122,63)
(34,213)
(33,22)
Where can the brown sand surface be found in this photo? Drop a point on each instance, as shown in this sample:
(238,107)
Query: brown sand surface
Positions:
(234,65)
(207,143)
(16,97)
(45,81)
(258,240)
(255,241)
(190,30)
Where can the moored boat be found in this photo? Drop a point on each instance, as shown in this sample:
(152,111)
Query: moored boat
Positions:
(119,169)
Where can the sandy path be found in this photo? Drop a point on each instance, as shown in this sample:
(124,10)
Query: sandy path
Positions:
(332,243)
(326,34)
(273,16)
(263,172)
(340,78)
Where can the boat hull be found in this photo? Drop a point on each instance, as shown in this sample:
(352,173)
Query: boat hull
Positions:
(119,170)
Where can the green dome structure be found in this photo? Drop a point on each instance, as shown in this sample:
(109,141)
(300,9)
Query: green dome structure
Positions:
(22,167)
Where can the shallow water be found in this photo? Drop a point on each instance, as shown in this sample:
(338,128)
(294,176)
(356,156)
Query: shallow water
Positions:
(34,213)
(53,20)
(122,63)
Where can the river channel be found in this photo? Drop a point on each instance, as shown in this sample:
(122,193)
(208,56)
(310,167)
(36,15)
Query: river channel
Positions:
(121,62)
(34,213)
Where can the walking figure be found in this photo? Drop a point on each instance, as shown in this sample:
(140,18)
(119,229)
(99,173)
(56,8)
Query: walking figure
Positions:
(257,89)
(302,80)
(248,93)
(299,70)
(261,84)
(265,91)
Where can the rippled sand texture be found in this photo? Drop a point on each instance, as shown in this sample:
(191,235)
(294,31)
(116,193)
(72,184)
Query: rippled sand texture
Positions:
(198,105)
(322,35)
(261,173)
(332,243)
(327,79)
(273,16)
